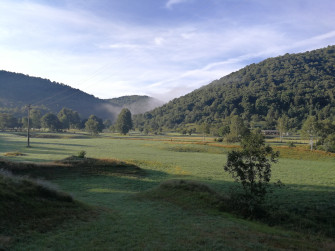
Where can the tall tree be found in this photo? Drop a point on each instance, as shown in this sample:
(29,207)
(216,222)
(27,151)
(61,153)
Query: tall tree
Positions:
(124,122)
(100,122)
(7,121)
(51,122)
(310,130)
(205,128)
(69,118)
(237,129)
(35,118)
(282,125)
(92,126)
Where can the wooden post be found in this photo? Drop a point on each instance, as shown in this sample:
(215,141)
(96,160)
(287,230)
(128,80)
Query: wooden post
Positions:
(28,131)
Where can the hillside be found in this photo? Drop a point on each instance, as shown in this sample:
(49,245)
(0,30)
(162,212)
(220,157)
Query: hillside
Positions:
(136,103)
(18,90)
(297,85)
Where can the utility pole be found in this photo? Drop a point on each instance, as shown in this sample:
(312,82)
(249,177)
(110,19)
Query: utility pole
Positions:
(28,131)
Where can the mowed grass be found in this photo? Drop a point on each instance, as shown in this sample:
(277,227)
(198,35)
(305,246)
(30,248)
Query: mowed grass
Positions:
(132,223)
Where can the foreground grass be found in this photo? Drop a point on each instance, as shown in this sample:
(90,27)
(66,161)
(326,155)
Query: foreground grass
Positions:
(28,206)
(148,224)
(139,214)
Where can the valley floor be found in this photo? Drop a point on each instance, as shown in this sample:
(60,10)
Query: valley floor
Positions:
(128,220)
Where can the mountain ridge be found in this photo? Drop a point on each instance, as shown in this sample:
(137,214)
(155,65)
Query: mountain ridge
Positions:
(51,96)
(296,85)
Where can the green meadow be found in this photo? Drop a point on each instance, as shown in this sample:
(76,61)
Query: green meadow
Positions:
(135,212)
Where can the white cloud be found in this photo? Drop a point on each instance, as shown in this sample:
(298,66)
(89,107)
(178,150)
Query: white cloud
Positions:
(113,57)
(170,3)
(159,41)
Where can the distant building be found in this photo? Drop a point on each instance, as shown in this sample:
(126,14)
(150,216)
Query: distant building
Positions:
(270,132)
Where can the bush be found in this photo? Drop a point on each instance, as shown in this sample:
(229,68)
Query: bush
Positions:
(290,144)
(81,154)
(329,144)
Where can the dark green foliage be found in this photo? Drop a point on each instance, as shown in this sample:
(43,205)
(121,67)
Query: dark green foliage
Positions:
(94,125)
(251,167)
(128,100)
(7,121)
(237,129)
(81,154)
(51,122)
(124,122)
(35,118)
(69,118)
(296,85)
(329,143)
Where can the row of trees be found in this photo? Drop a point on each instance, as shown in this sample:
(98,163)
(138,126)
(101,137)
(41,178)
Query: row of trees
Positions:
(67,119)
(320,132)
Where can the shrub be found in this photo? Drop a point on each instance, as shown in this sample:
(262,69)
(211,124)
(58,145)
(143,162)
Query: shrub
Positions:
(329,144)
(290,144)
(81,154)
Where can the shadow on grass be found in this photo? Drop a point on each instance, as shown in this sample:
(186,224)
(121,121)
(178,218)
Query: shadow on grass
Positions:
(60,144)
(38,148)
(305,208)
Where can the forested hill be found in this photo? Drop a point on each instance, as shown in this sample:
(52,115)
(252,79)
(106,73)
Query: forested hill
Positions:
(18,90)
(297,85)
(136,103)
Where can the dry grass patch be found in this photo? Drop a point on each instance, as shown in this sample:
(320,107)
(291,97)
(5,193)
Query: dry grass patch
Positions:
(303,152)
(14,154)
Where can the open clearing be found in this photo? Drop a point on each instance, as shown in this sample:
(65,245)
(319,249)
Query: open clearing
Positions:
(130,221)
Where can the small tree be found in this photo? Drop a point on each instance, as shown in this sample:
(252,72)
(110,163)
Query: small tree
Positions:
(124,122)
(92,126)
(252,168)
(237,129)
(205,128)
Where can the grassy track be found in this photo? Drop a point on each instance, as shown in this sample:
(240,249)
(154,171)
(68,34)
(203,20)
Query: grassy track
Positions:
(131,223)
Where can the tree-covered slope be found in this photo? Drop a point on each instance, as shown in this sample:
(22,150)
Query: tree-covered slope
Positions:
(136,103)
(297,85)
(19,90)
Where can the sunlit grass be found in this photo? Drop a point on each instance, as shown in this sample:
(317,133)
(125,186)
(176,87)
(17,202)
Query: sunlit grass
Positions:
(309,178)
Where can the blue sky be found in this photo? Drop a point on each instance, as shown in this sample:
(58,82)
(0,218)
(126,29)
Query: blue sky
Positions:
(161,48)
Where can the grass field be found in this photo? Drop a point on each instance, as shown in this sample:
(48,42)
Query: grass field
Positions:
(131,220)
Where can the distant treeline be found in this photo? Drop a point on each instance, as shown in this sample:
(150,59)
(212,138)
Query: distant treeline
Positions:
(66,119)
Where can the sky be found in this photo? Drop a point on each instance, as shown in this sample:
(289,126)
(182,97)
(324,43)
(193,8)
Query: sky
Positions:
(160,48)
